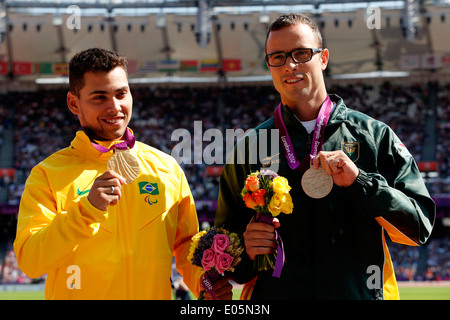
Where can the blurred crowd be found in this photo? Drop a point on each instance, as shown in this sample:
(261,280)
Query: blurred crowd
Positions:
(403,108)
(430,262)
(10,272)
(42,124)
(442,182)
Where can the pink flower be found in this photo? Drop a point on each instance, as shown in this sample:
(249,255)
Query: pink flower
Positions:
(220,243)
(223,262)
(208,260)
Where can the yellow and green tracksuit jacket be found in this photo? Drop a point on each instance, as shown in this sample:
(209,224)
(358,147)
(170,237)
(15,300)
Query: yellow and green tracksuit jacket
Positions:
(125,252)
(335,247)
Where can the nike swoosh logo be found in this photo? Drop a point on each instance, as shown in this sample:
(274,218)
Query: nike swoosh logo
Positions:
(80,193)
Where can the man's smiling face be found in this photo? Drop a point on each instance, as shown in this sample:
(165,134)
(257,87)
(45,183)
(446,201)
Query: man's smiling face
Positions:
(296,82)
(104,104)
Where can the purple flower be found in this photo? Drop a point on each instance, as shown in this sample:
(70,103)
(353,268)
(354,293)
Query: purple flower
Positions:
(268,173)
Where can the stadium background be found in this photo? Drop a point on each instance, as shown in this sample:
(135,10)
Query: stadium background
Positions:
(204,61)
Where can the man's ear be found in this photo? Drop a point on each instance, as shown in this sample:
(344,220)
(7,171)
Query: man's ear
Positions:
(72,102)
(325,55)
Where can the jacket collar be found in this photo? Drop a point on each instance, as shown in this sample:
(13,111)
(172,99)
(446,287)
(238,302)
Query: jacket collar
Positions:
(82,144)
(339,113)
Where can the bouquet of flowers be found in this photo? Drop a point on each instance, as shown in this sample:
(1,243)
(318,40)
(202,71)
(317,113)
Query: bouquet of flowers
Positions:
(216,250)
(268,194)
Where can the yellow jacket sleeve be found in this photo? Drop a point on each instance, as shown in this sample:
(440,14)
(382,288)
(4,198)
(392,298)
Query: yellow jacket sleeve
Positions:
(186,229)
(46,236)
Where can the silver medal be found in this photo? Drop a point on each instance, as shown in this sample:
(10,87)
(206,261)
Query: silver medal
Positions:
(317,183)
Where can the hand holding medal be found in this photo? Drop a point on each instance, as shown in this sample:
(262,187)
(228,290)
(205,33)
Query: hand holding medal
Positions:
(122,161)
(123,168)
(338,166)
(106,190)
(326,167)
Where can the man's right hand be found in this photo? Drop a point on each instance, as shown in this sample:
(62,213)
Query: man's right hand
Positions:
(259,238)
(102,193)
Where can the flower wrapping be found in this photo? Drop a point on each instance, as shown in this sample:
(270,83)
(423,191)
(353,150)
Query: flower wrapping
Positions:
(268,194)
(216,251)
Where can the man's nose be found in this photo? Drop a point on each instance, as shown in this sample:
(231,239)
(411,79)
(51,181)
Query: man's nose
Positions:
(290,63)
(114,104)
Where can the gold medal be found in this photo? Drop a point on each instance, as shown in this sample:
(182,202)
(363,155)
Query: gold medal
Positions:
(317,183)
(125,164)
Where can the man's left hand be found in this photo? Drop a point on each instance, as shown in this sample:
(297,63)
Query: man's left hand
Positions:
(222,290)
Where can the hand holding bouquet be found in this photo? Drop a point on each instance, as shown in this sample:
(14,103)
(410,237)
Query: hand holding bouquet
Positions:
(268,194)
(216,250)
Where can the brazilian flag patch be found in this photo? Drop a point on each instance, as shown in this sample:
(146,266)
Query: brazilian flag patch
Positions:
(148,188)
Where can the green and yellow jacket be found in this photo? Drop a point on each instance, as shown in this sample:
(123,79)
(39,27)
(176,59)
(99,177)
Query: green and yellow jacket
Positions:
(335,247)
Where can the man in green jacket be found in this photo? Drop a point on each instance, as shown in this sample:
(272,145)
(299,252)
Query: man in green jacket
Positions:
(334,241)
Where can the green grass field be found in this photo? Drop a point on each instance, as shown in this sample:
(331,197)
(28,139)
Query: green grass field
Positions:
(424,293)
(22,295)
(406,293)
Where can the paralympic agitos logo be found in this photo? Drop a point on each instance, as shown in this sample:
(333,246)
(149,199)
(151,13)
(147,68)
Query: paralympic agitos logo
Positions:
(149,188)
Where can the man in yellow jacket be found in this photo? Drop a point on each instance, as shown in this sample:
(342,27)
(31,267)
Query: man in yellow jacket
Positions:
(104,217)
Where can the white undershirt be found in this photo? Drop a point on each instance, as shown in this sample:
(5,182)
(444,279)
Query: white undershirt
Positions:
(309,125)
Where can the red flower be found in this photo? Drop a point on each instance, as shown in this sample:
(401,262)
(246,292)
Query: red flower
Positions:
(258,196)
(249,201)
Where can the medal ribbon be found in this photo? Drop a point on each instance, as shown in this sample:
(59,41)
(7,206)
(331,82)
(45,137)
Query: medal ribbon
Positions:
(124,145)
(294,163)
(208,279)
(280,259)
(318,136)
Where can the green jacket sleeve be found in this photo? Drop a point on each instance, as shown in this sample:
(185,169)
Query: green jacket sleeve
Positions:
(396,195)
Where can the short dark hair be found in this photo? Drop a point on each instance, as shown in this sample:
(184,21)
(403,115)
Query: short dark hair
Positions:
(291,19)
(94,60)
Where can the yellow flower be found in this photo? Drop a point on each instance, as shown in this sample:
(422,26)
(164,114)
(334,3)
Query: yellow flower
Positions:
(191,252)
(194,244)
(235,250)
(280,202)
(280,185)
(275,204)
(287,206)
(197,237)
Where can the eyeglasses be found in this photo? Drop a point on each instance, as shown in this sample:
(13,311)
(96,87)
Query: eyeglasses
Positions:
(278,59)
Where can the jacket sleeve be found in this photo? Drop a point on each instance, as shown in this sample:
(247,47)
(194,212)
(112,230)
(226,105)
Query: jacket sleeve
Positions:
(396,195)
(187,227)
(45,237)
